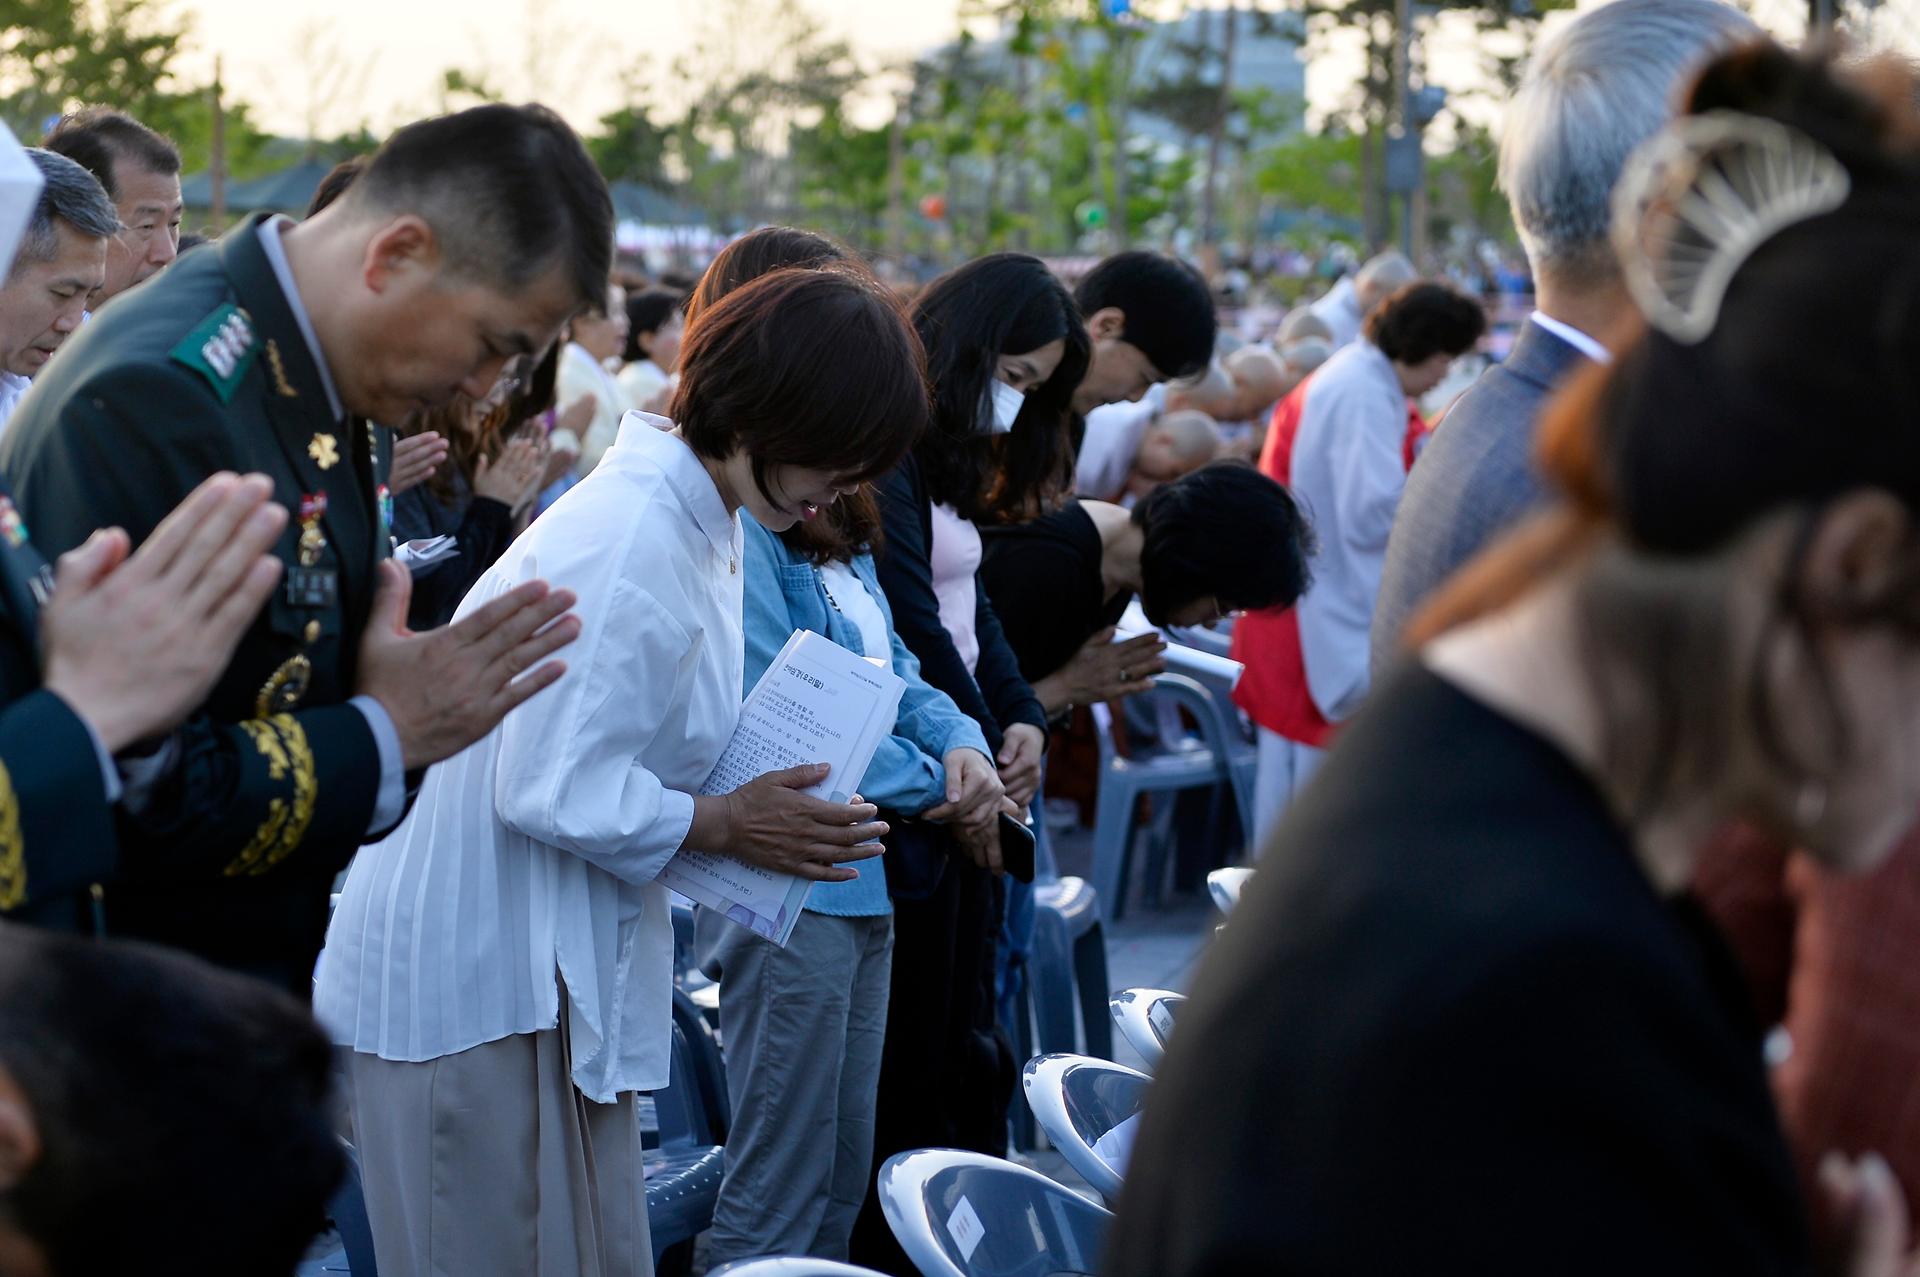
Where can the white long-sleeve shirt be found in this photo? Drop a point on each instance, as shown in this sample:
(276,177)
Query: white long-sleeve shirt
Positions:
(1348,470)
(526,870)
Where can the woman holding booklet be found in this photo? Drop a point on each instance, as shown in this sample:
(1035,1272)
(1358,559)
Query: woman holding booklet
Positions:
(501,964)
(804,1024)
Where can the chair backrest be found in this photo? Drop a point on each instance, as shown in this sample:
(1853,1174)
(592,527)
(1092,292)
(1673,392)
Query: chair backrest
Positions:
(1198,702)
(1087,1108)
(959,1214)
(698,1075)
(1225,885)
(1145,1019)
(791,1266)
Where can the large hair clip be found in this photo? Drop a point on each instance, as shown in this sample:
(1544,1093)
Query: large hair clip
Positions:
(1699,197)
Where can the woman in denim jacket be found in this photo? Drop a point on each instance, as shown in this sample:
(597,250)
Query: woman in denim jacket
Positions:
(804,1025)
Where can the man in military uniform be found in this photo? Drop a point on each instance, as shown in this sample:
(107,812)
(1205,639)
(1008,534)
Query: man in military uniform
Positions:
(469,239)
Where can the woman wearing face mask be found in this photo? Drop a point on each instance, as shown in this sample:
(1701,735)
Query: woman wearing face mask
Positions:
(501,964)
(1005,350)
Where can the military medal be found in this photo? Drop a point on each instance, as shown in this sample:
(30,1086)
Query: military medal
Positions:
(385,498)
(12,529)
(308,585)
(313,507)
(325,451)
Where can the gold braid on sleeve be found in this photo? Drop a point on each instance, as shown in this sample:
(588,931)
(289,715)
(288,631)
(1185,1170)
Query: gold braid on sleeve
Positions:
(13,848)
(282,741)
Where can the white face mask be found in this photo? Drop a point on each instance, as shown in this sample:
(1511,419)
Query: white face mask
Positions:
(1003,406)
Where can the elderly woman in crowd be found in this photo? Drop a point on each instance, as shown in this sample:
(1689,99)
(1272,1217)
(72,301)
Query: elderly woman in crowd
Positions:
(1342,443)
(501,965)
(1466,1017)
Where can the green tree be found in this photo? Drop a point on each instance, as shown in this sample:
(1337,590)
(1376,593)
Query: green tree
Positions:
(56,54)
(629,146)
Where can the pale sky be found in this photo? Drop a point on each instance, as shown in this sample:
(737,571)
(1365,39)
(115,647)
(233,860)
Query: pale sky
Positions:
(389,54)
(379,62)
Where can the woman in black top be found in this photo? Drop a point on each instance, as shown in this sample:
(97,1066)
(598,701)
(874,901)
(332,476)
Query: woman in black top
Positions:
(1005,350)
(1223,539)
(1464,1019)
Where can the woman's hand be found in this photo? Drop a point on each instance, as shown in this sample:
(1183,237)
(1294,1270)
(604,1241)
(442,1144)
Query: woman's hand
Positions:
(974,790)
(415,458)
(770,823)
(1020,756)
(1103,670)
(982,842)
(510,479)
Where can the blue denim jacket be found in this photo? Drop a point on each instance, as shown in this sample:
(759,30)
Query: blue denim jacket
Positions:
(784,594)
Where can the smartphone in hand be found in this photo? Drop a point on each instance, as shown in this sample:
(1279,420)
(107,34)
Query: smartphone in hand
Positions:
(1016,848)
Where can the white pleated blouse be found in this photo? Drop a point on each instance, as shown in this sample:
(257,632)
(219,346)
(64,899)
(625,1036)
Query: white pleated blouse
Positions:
(525,871)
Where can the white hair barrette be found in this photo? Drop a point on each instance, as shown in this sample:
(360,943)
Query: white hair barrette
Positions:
(1699,197)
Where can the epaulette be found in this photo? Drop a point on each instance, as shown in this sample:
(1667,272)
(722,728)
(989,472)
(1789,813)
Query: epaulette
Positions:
(221,348)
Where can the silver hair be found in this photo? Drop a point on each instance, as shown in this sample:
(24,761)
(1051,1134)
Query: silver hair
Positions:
(1599,89)
(68,193)
(1386,272)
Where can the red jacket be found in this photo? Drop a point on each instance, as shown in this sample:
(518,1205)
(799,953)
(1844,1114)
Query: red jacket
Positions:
(1273,691)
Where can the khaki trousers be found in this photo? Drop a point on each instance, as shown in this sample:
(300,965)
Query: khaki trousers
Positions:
(490,1162)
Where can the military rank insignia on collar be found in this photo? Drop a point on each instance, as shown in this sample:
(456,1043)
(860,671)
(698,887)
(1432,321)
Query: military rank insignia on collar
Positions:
(221,349)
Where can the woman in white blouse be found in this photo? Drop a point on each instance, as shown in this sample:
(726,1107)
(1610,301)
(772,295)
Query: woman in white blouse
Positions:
(654,329)
(501,965)
(595,340)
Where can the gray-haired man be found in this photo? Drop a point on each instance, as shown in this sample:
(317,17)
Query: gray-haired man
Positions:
(60,264)
(1599,89)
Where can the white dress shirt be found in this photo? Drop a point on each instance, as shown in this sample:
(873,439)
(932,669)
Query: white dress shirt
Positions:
(1348,471)
(525,871)
(1580,341)
(13,388)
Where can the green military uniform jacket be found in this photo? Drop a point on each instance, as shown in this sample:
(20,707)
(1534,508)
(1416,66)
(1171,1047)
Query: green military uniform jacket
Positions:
(56,826)
(202,369)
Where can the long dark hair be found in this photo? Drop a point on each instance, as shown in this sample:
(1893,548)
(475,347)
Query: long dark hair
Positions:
(1003,304)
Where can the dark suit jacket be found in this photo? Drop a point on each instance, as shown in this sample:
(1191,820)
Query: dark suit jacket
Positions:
(56,830)
(1474,479)
(234,857)
(1451,1028)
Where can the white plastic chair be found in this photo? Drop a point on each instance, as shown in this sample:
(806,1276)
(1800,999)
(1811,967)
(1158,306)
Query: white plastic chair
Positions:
(1226,884)
(1145,1019)
(959,1214)
(791,1266)
(1089,1109)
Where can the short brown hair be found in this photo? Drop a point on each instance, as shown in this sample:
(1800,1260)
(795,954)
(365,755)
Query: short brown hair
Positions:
(758,253)
(815,368)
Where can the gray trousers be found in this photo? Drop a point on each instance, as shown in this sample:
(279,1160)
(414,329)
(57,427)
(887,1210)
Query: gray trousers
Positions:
(489,1163)
(803,1027)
